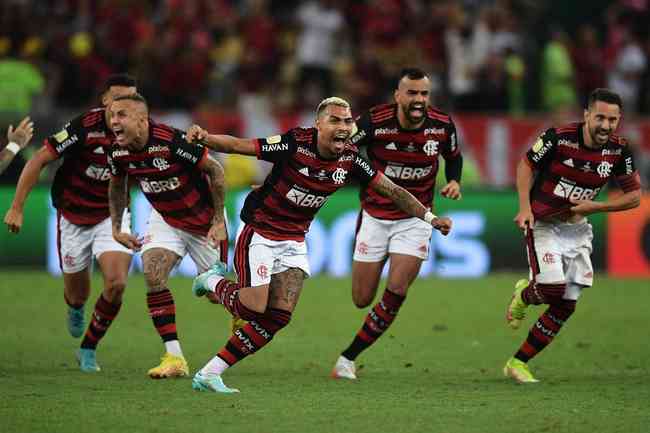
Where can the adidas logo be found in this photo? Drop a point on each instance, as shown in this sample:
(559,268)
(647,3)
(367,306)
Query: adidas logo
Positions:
(304,171)
(99,150)
(569,162)
(391,146)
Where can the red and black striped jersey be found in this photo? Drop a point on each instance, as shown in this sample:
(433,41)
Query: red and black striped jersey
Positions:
(569,170)
(166,170)
(80,187)
(299,183)
(408,157)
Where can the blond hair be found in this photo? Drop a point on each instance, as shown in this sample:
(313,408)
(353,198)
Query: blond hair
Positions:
(332,100)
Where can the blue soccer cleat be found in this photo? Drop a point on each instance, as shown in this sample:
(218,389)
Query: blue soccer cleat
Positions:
(87,361)
(211,382)
(200,284)
(76,323)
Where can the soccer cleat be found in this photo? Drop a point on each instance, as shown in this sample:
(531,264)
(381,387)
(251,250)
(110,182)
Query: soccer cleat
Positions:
(344,369)
(170,366)
(200,284)
(519,371)
(211,382)
(76,323)
(87,361)
(236,323)
(517,308)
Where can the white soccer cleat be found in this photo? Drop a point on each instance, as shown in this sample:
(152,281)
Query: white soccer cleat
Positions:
(344,369)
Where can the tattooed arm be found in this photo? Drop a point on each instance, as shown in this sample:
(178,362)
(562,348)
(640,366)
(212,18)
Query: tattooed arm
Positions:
(405,201)
(214,171)
(117,201)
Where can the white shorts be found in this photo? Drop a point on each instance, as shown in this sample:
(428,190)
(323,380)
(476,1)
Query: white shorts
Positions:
(257,258)
(162,235)
(376,238)
(560,252)
(79,244)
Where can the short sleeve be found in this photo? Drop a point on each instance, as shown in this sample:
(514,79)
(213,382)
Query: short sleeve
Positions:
(362,131)
(72,135)
(626,173)
(276,148)
(542,151)
(188,153)
(363,170)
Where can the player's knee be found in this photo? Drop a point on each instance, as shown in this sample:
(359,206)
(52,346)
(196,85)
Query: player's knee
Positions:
(154,282)
(362,299)
(399,288)
(114,289)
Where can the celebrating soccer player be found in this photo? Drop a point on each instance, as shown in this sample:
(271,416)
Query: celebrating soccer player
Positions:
(270,254)
(185,187)
(557,181)
(17,140)
(80,195)
(404,141)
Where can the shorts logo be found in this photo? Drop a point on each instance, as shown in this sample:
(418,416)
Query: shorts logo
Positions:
(423,248)
(263,271)
(339,175)
(160,163)
(588,275)
(604,169)
(68,260)
(362,248)
(548,258)
(431,147)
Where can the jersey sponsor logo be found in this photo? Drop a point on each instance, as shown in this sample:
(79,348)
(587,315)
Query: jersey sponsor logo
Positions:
(158,186)
(339,175)
(391,146)
(629,167)
(274,139)
(586,167)
(322,175)
(67,143)
(358,136)
(540,148)
(385,131)
(569,162)
(120,152)
(434,131)
(345,158)
(365,166)
(96,134)
(604,169)
(612,151)
(570,191)
(567,143)
(407,173)
(186,155)
(98,173)
(305,199)
(431,147)
(157,149)
(307,152)
(61,136)
(452,143)
(160,163)
(275,147)
(410,147)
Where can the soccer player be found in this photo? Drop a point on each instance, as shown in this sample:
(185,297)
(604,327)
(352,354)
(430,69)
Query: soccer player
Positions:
(185,187)
(403,140)
(80,195)
(557,181)
(17,140)
(270,254)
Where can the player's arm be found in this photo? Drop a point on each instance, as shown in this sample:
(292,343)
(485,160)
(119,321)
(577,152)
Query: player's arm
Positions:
(524,181)
(117,201)
(221,143)
(406,202)
(17,140)
(453,166)
(213,169)
(28,178)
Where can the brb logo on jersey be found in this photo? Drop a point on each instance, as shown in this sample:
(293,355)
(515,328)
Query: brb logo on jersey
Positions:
(305,199)
(407,173)
(157,186)
(571,191)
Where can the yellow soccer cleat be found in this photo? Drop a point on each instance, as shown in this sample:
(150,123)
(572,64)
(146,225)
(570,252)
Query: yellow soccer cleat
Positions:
(170,366)
(519,371)
(236,323)
(517,308)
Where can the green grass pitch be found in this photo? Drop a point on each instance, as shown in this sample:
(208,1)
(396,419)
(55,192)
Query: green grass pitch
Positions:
(438,369)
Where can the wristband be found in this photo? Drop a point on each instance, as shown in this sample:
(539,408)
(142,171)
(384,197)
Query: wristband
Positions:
(13,147)
(428,217)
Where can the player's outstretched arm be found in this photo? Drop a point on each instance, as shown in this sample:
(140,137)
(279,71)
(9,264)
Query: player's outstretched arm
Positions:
(27,180)
(628,200)
(524,182)
(17,140)
(117,202)
(221,143)
(406,202)
(213,169)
